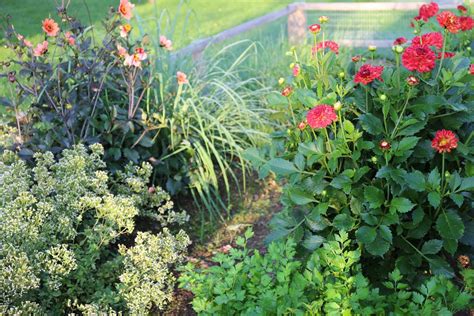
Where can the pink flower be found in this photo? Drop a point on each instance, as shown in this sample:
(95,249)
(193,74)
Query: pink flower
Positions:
(296,70)
(50,27)
(70,38)
(428,11)
(430,39)
(467,23)
(449,21)
(471,69)
(321,116)
(446,55)
(419,57)
(122,52)
(166,43)
(326,44)
(41,49)
(181,77)
(25,42)
(132,60)
(368,73)
(140,52)
(314,28)
(125,29)
(125,9)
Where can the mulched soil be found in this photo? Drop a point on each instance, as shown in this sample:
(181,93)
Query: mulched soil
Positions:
(255,209)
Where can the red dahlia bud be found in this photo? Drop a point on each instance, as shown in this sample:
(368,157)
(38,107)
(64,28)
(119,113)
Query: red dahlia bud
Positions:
(151,190)
(11,76)
(384,145)
(302,125)
(314,28)
(356,58)
(464,261)
(412,80)
(287,91)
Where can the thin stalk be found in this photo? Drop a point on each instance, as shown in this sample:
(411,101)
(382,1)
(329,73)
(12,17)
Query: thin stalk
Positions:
(401,115)
(442,55)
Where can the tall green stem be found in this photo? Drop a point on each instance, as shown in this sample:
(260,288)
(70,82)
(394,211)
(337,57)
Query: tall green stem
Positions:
(401,115)
(442,55)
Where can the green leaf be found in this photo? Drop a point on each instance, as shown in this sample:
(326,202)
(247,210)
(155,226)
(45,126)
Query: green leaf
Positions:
(343,222)
(253,155)
(401,205)
(379,246)
(374,196)
(467,184)
(385,233)
(371,124)
(450,225)
(282,167)
(432,247)
(300,197)
(458,199)
(366,234)
(131,154)
(434,179)
(312,242)
(405,145)
(441,267)
(342,182)
(434,198)
(416,181)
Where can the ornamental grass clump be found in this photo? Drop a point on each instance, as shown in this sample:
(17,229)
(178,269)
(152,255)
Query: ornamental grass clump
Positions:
(62,228)
(381,149)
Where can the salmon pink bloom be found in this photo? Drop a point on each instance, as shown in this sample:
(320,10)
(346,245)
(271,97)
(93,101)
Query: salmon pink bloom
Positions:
(314,28)
(122,52)
(287,91)
(166,43)
(321,116)
(449,21)
(467,23)
(125,29)
(446,55)
(70,38)
(181,77)
(368,73)
(132,60)
(428,11)
(326,44)
(125,9)
(302,126)
(296,70)
(41,49)
(430,39)
(25,42)
(419,58)
(444,141)
(412,80)
(400,41)
(355,59)
(140,52)
(50,27)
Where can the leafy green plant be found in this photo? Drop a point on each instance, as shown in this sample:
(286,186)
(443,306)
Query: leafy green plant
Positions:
(62,223)
(329,282)
(365,150)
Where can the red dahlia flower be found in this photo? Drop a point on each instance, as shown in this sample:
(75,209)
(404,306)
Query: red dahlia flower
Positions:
(368,73)
(296,70)
(384,145)
(326,44)
(355,59)
(321,116)
(444,141)
(412,80)
(467,23)
(428,11)
(302,126)
(430,39)
(287,91)
(446,55)
(400,41)
(314,28)
(471,69)
(419,58)
(449,21)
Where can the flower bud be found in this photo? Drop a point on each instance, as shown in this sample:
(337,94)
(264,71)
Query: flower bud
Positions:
(292,65)
(323,19)
(289,54)
(281,81)
(302,125)
(356,58)
(151,190)
(372,48)
(412,80)
(416,31)
(341,74)
(11,76)
(447,175)
(287,91)
(324,193)
(399,49)
(68,106)
(374,159)
(364,59)
(383,97)
(384,145)
(468,49)
(337,106)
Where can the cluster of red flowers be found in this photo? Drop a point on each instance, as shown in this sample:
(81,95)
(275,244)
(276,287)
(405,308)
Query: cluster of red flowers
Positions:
(368,73)
(326,44)
(419,58)
(429,39)
(321,116)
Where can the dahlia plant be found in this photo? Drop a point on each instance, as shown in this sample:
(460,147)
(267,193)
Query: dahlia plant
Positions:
(382,149)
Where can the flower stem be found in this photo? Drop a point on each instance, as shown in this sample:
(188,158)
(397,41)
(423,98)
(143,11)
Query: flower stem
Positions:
(442,55)
(366,99)
(401,114)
